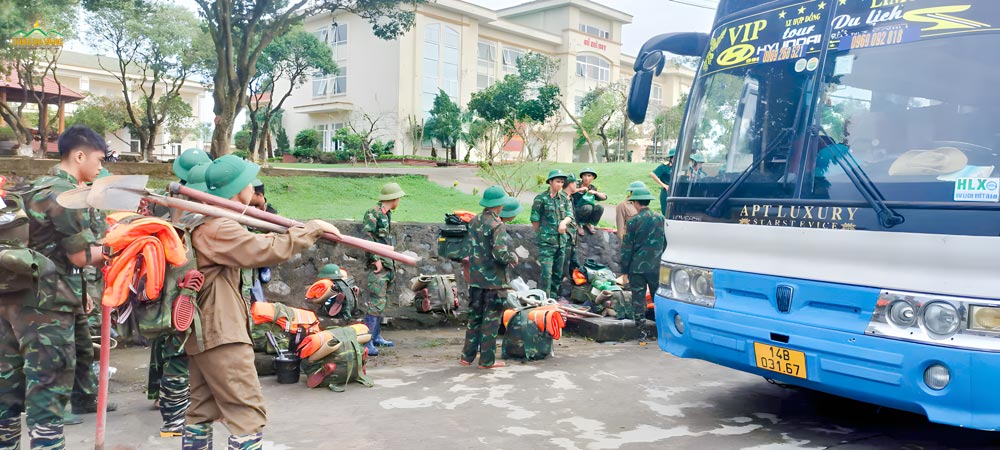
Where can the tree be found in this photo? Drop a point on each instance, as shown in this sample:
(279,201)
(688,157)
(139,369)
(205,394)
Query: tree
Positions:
(306,143)
(415,129)
(242,29)
(32,65)
(520,100)
(367,126)
(484,136)
(158,47)
(602,115)
(291,57)
(104,115)
(668,123)
(445,124)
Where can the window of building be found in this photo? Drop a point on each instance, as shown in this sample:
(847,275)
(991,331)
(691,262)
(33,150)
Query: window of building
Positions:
(656,94)
(335,83)
(328,132)
(320,82)
(133,146)
(441,62)
(84,83)
(175,148)
(510,57)
(486,71)
(595,31)
(593,67)
(323,34)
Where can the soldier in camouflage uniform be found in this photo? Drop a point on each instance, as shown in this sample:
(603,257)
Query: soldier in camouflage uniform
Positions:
(572,240)
(641,250)
(37,352)
(488,260)
(377,225)
(550,218)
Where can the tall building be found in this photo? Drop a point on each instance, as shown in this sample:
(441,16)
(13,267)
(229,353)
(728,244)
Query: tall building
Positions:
(462,48)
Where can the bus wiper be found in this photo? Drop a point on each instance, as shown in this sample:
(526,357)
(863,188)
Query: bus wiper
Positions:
(887,217)
(715,209)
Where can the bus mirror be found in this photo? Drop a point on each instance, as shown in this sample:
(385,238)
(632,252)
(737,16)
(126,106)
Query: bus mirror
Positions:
(638,96)
(681,44)
(650,63)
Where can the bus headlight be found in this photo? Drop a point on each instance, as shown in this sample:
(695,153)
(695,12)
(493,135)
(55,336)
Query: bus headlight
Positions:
(984,318)
(941,318)
(902,313)
(687,284)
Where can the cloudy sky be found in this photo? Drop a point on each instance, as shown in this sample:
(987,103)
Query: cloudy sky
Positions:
(649,17)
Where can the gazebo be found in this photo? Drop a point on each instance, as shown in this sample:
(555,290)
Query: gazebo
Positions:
(50,93)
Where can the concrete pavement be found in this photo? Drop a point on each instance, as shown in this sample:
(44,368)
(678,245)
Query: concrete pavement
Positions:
(587,396)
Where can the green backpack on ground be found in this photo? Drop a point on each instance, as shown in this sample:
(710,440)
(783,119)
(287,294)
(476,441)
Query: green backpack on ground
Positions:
(350,358)
(453,239)
(258,334)
(523,340)
(435,293)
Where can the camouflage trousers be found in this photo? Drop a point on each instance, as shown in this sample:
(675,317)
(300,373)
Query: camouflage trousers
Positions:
(639,283)
(36,374)
(552,259)
(485,306)
(378,292)
(84,378)
(589,214)
(169,380)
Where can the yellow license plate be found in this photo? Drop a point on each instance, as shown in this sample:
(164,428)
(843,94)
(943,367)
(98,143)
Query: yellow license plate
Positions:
(781,360)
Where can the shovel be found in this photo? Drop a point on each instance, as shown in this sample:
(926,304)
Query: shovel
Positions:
(125,192)
(179,189)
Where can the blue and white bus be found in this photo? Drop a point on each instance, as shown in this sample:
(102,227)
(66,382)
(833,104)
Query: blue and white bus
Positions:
(845,236)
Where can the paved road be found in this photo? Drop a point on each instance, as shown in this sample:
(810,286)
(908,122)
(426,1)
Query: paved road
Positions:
(588,396)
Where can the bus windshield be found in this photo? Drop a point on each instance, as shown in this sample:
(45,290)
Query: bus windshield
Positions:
(914,108)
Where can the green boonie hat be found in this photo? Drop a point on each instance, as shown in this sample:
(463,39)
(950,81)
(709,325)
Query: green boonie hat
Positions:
(672,152)
(188,159)
(391,191)
(697,158)
(228,175)
(196,177)
(330,271)
(636,185)
(556,173)
(493,196)
(641,194)
(104,172)
(588,170)
(511,209)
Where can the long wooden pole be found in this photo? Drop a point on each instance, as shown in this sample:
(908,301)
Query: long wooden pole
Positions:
(369,246)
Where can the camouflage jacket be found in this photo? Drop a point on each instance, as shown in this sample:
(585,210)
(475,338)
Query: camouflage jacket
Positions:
(570,238)
(489,252)
(377,226)
(644,243)
(548,211)
(57,232)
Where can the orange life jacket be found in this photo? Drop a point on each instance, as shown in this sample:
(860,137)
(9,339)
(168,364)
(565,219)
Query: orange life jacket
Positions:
(549,320)
(320,290)
(288,318)
(156,241)
(312,343)
(466,216)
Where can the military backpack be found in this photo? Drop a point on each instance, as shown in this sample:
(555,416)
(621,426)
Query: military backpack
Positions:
(20,267)
(453,238)
(523,340)
(435,293)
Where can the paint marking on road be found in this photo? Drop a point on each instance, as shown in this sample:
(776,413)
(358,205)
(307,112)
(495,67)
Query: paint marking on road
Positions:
(392,382)
(789,444)
(521,431)
(406,403)
(674,410)
(559,379)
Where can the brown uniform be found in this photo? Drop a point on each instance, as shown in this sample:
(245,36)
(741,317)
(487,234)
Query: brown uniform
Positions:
(623,212)
(224,381)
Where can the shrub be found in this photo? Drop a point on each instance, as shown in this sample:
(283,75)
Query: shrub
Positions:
(306,139)
(303,152)
(7,134)
(242,140)
(242,154)
(281,141)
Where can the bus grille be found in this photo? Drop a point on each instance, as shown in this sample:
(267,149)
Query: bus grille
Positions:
(783,296)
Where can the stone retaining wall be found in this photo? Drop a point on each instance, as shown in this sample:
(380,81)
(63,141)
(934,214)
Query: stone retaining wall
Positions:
(290,280)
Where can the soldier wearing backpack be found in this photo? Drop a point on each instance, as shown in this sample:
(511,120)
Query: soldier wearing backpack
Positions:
(488,263)
(377,225)
(224,384)
(37,324)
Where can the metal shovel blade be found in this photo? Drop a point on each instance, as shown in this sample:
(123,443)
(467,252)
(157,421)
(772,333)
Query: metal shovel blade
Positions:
(118,192)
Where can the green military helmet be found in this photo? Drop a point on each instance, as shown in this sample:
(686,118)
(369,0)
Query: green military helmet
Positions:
(697,158)
(511,209)
(391,191)
(493,196)
(641,194)
(228,175)
(196,177)
(556,173)
(330,271)
(589,170)
(256,183)
(187,160)
(570,178)
(671,153)
(636,185)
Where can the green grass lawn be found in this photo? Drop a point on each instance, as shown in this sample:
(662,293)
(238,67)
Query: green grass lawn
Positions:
(360,165)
